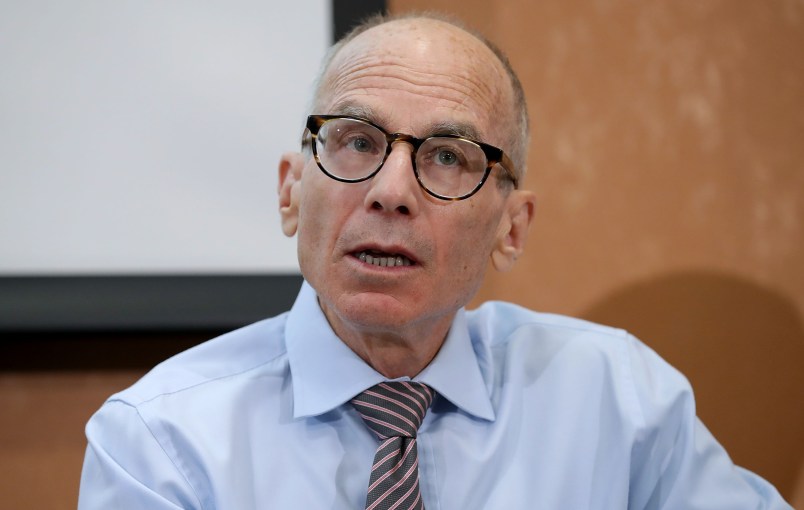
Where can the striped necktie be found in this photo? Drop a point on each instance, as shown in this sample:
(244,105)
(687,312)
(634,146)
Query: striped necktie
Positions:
(394,411)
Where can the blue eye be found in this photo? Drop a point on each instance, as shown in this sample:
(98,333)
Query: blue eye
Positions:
(447,158)
(360,144)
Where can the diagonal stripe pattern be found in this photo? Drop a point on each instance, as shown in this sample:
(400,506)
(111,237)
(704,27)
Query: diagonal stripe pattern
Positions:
(394,411)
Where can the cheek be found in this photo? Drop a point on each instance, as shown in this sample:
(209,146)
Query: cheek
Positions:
(313,228)
(468,243)
(465,250)
(324,211)
(315,202)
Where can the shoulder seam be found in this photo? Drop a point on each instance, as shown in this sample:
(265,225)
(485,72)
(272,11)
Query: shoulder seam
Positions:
(144,401)
(161,447)
(609,331)
(628,369)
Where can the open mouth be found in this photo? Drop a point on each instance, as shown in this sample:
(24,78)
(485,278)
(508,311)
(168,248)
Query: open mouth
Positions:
(383,259)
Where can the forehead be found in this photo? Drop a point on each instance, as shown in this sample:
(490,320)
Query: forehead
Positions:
(413,74)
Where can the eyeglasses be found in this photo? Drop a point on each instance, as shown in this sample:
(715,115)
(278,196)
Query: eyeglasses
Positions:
(448,167)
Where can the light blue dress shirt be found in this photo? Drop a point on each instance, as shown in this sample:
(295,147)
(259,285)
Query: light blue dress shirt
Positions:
(533,411)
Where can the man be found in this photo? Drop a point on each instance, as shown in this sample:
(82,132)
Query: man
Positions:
(378,390)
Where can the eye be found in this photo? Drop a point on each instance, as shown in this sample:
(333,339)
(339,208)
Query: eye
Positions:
(360,144)
(445,154)
(359,140)
(446,157)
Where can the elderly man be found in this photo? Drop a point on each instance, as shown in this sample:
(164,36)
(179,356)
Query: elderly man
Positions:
(378,390)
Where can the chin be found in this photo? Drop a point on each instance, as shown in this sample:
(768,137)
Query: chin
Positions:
(374,310)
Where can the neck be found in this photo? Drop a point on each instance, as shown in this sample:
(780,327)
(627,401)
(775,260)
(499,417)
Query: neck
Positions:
(393,353)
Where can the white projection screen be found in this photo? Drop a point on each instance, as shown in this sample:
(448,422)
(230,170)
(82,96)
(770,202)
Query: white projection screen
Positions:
(142,136)
(139,142)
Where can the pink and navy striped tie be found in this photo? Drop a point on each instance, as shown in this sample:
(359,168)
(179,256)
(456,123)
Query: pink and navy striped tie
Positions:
(394,411)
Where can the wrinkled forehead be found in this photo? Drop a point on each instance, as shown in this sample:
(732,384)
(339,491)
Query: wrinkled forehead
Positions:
(430,36)
(420,59)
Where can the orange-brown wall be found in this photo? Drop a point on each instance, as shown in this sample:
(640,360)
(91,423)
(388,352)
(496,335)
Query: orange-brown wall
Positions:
(41,433)
(668,159)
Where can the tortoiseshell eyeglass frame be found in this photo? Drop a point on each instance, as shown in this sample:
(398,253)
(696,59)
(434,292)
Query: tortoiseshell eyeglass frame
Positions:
(493,154)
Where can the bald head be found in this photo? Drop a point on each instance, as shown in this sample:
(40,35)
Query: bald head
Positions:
(480,73)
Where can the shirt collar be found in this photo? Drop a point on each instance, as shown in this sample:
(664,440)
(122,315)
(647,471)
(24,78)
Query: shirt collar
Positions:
(326,373)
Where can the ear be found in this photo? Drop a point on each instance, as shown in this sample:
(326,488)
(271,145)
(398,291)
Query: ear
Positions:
(290,169)
(513,232)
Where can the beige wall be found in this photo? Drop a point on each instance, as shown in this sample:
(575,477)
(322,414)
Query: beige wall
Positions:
(668,159)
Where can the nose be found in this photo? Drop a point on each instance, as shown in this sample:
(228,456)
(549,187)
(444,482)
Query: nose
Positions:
(394,188)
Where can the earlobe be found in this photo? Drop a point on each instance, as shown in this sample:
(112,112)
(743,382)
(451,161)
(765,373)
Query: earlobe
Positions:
(290,168)
(513,231)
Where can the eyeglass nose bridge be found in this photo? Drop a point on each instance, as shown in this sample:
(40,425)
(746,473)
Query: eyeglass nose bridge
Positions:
(415,143)
(392,138)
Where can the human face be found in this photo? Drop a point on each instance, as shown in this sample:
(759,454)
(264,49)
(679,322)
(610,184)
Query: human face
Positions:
(422,78)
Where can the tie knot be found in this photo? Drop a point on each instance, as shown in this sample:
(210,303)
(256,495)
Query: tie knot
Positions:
(394,409)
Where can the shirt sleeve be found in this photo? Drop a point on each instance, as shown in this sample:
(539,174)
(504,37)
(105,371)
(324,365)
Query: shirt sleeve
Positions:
(676,462)
(125,467)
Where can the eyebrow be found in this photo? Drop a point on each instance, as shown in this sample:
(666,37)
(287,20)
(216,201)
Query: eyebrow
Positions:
(360,111)
(453,128)
(368,113)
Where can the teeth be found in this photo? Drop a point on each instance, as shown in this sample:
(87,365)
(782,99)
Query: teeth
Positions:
(383,261)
